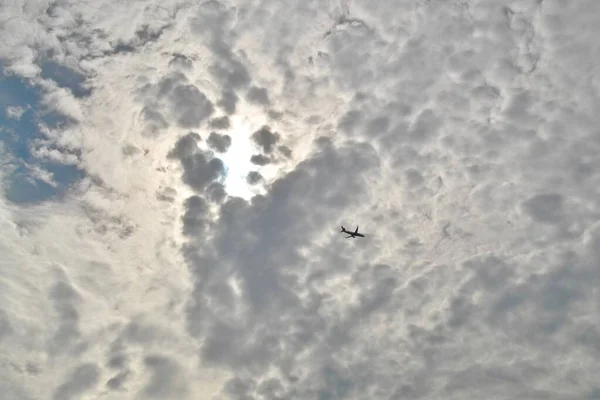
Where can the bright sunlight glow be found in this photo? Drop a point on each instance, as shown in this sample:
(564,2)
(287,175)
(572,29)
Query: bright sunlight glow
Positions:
(237,159)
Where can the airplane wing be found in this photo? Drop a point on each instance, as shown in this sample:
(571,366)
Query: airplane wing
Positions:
(356,231)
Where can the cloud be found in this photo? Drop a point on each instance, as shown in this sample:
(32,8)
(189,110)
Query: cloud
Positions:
(184,103)
(265,138)
(254,177)
(167,379)
(260,159)
(220,122)
(461,138)
(228,102)
(83,378)
(199,167)
(219,142)
(258,96)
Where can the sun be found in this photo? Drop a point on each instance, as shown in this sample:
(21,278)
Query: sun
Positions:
(237,158)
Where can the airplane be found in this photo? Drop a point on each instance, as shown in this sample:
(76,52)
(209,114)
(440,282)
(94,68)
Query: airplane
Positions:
(352,234)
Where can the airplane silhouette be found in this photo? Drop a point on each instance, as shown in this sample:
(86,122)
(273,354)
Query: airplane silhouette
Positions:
(352,234)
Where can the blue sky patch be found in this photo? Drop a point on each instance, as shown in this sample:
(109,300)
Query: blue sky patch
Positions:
(22,114)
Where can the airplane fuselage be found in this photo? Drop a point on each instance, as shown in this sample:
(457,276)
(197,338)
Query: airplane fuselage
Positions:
(352,235)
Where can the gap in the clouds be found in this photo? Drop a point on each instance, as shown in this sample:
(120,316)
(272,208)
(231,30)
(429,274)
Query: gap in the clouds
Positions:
(29,179)
(64,77)
(237,158)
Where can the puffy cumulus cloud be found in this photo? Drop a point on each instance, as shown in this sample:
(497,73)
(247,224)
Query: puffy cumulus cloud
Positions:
(460,136)
(218,142)
(200,168)
(265,139)
(220,122)
(258,95)
(184,102)
(260,159)
(254,177)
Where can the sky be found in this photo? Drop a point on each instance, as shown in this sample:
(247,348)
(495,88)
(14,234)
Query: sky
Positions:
(174,175)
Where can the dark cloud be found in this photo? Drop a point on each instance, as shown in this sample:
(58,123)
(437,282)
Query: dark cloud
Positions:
(178,101)
(253,178)
(240,388)
(258,244)
(266,139)
(140,332)
(350,121)
(218,142)
(5,325)
(200,168)
(425,126)
(194,218)
(276,115)
(167,380)
(117,381)
(230,73)
(190,106)
(258,96)
(260,159)
(546,208)
(186,146)
(216,192)
(220,122)
(65,300)
(117,361)
(81,379)
(285,151)
(228,101)
(155,121)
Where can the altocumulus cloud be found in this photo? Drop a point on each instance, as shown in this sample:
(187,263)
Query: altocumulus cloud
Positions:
(461,136)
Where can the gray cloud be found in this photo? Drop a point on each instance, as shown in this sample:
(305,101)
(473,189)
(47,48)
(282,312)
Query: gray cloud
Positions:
(155,121)
(260,159)
(228,102)
(266,139)
(545,207)
(216,191)
(286,151)
(194,219)
(81,379)
(464,143)
(199,167)
(183,103)
(276,316)
(220,122)
(190,105)
(65,299)
(186,146)
(5,325)
(219,142)
(253,178)
(117,381)
(166,380)
(211,23)
(258,96)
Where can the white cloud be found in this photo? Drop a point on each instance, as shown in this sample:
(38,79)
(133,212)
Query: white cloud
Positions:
(14,112)
(461,136)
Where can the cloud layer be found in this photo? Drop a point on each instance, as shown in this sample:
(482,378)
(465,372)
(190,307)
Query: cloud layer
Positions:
(461,137)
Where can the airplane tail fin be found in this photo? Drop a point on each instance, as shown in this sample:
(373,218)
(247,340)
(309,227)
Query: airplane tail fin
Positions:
(342,229)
